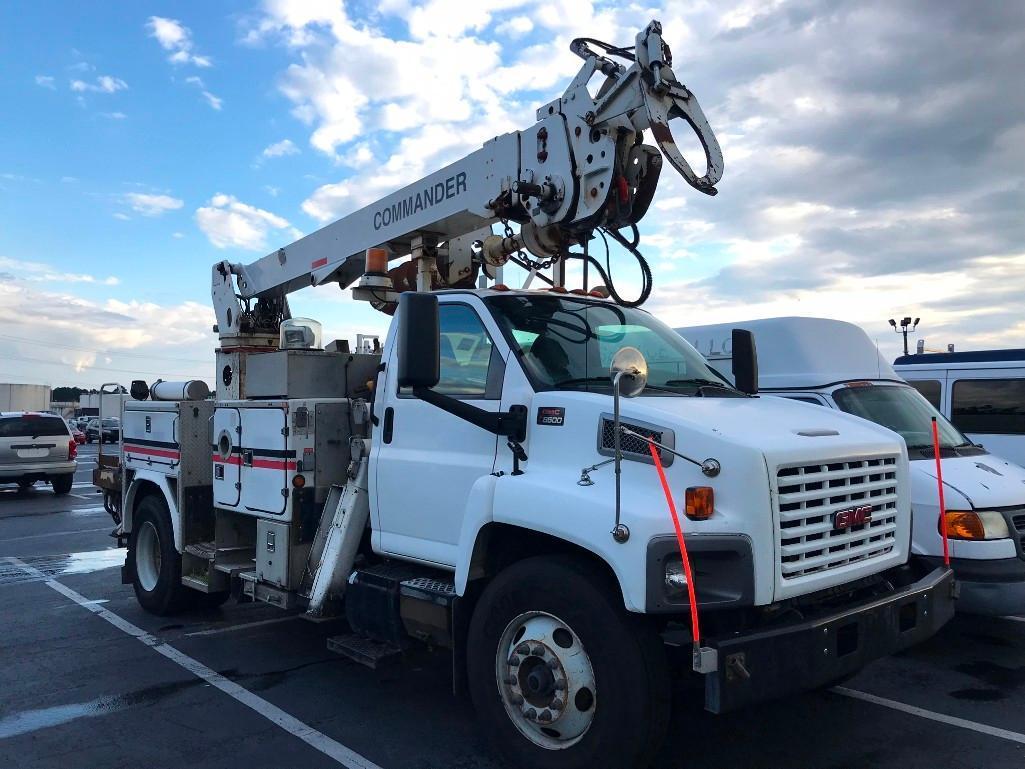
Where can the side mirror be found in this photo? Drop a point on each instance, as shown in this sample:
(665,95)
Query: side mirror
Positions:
(419,340)
(631,369)
(745,361)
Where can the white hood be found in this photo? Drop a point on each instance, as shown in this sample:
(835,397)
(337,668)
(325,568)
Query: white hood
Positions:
(984,481)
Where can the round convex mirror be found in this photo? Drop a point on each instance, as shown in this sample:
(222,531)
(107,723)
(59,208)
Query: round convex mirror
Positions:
(632,369)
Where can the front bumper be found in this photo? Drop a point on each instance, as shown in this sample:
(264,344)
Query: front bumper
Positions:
(11,473)
(993,587)
(799,656)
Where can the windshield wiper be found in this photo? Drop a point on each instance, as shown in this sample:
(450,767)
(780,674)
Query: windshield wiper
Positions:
(608,383)
(701,383)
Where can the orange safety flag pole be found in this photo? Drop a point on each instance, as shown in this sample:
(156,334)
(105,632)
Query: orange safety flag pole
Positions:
(939,483)
(696,629)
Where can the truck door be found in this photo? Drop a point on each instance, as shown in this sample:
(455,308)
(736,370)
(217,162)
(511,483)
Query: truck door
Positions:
(427,460)
(226,457)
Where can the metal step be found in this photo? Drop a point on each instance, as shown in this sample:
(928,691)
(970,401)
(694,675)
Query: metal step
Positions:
(439,591)
(365,651)
(203,550)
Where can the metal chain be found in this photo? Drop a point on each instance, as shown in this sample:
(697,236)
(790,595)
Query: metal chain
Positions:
(544,264)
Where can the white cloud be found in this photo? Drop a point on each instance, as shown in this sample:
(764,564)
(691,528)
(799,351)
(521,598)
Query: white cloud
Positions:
(152,205)
(517,26)
(280,149)
(46,81)
(122,217)
(114,115)
(177,235)
(38,272)
(271,190)
(228,222)
(173,36)
(56,333)
(103,84)
(215,102)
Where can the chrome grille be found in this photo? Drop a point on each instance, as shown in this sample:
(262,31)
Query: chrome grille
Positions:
(807,497)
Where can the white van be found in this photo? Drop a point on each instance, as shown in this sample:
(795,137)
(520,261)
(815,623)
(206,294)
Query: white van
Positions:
(981,392)
(834,364)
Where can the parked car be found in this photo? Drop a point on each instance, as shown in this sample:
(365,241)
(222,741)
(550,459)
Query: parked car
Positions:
(37,447)
(82,422)
(110,432)
(77,434)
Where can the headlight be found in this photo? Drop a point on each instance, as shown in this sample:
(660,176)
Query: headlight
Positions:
(976,525)
(676,580)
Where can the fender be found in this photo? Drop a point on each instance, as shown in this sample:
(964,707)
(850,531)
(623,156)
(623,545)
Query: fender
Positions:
(160,481)
(478,513)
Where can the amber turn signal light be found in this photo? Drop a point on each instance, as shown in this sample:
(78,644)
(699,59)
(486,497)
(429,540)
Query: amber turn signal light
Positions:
(699,503)
(298,481)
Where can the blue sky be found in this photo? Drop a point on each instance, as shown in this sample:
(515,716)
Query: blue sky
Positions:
(142,142)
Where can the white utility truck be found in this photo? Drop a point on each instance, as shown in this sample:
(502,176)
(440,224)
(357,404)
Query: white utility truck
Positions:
(485,483)
(834,364)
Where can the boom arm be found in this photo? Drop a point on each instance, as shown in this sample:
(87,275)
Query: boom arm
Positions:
(581,166)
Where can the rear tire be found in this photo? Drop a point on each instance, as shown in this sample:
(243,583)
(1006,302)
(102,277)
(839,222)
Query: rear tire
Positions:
(155,565)
(606,702)
(62,483)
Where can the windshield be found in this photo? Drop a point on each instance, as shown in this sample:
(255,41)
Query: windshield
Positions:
(568,344)
(111,422)
(903,410)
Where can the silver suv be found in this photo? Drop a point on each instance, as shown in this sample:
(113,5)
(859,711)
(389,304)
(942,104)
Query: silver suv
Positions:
(36,447)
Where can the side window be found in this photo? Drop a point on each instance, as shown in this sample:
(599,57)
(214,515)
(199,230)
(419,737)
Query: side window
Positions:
(466,352)
(930,390)
(989,406)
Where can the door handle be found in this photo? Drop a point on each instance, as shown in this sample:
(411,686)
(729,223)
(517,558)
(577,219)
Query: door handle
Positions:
(247,457)
(389,424)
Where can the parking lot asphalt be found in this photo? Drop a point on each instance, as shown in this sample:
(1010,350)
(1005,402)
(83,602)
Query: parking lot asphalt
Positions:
(88,679)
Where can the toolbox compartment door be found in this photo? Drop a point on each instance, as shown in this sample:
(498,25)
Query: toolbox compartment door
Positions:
(227,457)
(265,460)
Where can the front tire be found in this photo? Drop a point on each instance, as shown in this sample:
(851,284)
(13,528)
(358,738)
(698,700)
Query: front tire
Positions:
(154,563)
(62,484)
(561,674)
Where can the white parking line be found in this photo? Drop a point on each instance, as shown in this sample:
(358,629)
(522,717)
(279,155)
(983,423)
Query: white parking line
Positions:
(1016,619)
(317,740)
(943,718)
(244,626)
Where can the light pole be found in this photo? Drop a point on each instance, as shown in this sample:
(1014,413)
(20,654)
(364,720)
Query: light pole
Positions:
(907,326)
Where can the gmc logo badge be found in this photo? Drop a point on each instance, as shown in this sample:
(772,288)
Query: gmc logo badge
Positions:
(852,516)
(551,415)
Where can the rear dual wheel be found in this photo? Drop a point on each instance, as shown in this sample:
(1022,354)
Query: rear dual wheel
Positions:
(561,674)
(156,565)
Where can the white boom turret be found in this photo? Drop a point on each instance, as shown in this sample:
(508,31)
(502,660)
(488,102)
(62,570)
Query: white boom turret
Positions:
(580,167)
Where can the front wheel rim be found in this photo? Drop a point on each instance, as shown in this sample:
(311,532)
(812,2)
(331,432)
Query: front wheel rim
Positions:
(546,680)
(147,557)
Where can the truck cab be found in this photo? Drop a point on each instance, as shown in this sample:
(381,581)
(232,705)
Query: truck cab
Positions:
(835,365)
